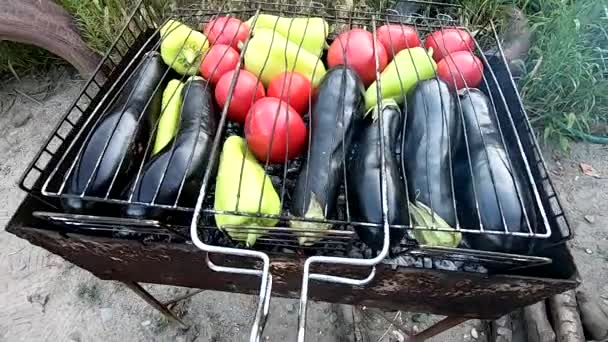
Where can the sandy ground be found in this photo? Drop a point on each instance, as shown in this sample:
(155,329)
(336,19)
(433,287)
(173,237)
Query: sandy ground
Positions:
(44,298)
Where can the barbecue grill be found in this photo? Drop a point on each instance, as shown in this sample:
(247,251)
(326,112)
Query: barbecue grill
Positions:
(175,238)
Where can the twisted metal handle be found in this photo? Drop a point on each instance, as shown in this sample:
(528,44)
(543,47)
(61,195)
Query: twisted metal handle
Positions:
(349,261)
(261,315)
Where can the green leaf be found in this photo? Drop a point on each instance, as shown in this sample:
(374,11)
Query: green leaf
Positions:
(564,143)
(570,120)
(547,132)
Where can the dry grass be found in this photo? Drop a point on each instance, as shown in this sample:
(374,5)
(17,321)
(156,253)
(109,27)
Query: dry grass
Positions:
(99,22)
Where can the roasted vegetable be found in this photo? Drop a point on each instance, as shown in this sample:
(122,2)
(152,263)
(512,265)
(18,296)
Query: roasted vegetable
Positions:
(460,69)
(242,186)
(395,38)
(226,30)
(448,40)
(169,116)
(409,67)
(356,48)
(116,144)
(269,54)
(183,160)
(431,135)
(498,186)
(182,48)
(310,32)
(363,177)
(336,112)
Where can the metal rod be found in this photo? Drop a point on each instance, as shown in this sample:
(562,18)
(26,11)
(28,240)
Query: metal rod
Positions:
(265,272)
(437,328)
(265,288)
(349,261)
(150,299)
(182,297)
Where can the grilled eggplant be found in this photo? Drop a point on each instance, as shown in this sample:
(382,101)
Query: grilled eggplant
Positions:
(115,147)
(431,135)
(336,112)
(500,186)
(183,160)
(364,172)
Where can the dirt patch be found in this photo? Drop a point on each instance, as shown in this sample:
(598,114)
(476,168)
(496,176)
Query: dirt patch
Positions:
(585,199)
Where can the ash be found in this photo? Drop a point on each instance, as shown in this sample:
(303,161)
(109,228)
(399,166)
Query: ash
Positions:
(435,263)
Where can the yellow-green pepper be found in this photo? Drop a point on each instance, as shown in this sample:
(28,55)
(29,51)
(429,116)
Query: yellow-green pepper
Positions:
(169,115)
(405,70)
(270,54)
(251,176)
(311,32)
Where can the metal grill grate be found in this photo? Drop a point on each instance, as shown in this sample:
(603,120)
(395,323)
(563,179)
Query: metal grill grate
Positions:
(51,168)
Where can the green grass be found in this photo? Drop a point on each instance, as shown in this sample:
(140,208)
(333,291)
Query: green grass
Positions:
(565,91)
(100,21)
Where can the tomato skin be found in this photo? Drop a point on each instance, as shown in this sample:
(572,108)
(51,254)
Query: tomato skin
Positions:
(293,88)
(219,60)
(395,38)
(247,90)
(459,68)
(447,41)
(263,142)
(355,48)
(226,30)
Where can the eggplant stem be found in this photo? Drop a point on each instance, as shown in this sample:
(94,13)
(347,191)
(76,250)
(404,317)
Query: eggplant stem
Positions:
(462,92)
(385,103)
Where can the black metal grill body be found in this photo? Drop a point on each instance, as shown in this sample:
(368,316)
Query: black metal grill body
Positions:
(460,294)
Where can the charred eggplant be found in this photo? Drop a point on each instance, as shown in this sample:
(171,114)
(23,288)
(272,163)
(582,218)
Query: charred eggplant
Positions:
(183,160)
(492,184)
(117,142)
(336,112)
(364,172)
(431,134)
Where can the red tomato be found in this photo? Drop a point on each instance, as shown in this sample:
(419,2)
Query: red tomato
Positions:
(219,59)
(459,68)
(247,90)
(277,141)
(447,41)
(355,48)
(226,30)
(395,38)
(293,88)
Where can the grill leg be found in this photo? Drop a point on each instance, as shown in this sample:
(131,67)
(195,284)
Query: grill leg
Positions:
(436,329)
(183,297)
(150,299)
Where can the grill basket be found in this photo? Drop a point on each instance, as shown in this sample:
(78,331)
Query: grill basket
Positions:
(185,220)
